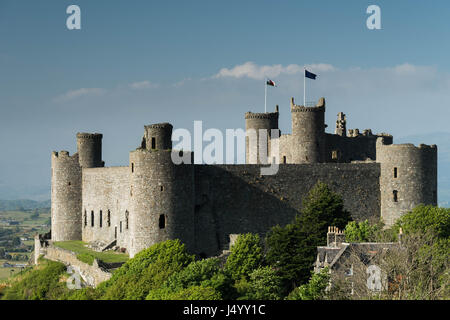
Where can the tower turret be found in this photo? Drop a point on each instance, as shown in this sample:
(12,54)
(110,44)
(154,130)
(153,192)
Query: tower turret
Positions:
(89,146)
(162,203)
(257,121)
(308,132)
(66,197)
(408,177)
(158,136)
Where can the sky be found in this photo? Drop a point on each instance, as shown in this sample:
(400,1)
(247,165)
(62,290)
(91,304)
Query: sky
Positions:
(140,62)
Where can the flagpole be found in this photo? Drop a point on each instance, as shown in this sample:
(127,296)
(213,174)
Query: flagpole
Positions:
(265,96)
(304,86)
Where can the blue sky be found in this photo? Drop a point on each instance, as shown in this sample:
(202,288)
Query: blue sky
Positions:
(141,62)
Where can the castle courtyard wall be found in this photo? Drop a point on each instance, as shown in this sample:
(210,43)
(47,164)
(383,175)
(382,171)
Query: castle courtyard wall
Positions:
(106,189)
(237,199)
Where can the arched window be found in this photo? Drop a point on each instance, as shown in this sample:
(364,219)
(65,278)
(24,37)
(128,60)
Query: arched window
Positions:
(284,159)
(92,218)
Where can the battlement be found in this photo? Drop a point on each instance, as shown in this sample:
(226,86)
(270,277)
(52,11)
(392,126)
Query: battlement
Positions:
(64,155)
(266,115)
(319,107)
(163,125)
(85,135)
(382,143)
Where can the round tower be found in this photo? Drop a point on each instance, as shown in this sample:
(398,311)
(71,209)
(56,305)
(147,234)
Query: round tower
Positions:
(162,203)
(66,197)
(259,121)
(308,132)
(158,136)
(89,146)
(408,178)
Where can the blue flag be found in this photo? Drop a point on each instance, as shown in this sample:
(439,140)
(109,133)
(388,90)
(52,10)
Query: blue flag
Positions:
(310,75)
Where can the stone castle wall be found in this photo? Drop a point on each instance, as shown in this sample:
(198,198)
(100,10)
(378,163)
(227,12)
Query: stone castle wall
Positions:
(106,193)
(236,199)
(92,275)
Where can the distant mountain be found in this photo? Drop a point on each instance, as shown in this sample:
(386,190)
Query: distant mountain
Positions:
(24,204)
(442,140)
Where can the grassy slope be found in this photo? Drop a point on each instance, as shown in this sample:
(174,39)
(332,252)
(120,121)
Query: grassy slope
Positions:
(87,255)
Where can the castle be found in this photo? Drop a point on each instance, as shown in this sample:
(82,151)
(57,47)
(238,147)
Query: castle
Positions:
(152,199)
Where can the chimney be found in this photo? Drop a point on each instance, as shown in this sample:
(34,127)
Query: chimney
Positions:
(330,237)
(339,237)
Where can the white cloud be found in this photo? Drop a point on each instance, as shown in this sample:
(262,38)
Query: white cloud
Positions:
(142,85)
(73,94)
(253,71)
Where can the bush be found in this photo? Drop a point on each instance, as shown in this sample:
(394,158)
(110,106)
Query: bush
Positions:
(315,289)
(246,255)
(40,283)
(361,231)
(148,270)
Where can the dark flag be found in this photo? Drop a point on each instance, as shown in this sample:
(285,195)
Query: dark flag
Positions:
(270,83)
(310,75)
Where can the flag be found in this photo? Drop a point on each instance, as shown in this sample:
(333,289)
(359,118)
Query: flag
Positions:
(270,83)
(310,75)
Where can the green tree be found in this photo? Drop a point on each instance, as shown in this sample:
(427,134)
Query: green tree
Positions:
(361,231)
(315,289)
(206,273)
(426,219)
(148,270)
(264,284)
(292,249)
(246,255)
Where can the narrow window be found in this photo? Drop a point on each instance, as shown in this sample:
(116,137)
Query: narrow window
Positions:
(109,218)
(395,193)
(162,221)
(120,226)
(126,219)
(92,218)
(69,183)
(115,232)
(334,155)
(162,188)
(153,143)
(132,167)
(395,172)
(284,159)
(85,218)
(101,219)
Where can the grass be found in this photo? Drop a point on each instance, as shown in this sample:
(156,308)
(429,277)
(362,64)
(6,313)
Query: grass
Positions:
(5,273)
(87,255)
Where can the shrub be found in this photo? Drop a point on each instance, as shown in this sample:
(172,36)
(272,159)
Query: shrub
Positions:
(246,255)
